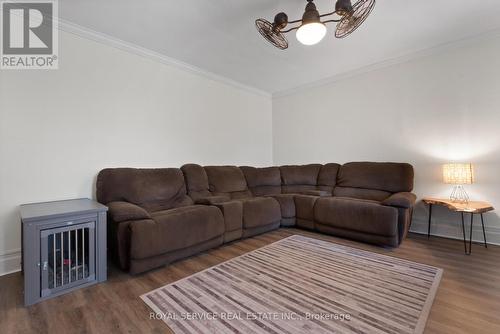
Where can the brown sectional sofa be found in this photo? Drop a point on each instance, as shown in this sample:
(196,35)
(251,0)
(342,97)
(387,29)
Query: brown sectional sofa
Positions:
(157,216)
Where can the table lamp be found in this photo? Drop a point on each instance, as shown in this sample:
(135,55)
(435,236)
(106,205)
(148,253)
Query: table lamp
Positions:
(458,175)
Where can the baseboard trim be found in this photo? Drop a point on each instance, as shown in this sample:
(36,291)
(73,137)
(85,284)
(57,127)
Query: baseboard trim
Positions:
(452,230)
(10,262)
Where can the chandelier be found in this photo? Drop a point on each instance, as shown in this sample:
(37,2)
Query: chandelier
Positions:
(311,29)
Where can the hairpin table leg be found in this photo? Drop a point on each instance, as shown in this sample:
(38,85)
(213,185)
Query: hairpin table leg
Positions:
(470,237)
(429,225)
(484,232)
(463,231)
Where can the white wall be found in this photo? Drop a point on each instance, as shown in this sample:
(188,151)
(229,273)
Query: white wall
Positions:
(104,108)
(427,111)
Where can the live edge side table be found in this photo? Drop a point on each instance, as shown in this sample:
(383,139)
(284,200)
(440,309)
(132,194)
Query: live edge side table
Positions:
(472,207)
(63,247)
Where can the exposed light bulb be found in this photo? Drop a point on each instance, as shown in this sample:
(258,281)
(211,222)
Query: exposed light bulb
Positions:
(311,33)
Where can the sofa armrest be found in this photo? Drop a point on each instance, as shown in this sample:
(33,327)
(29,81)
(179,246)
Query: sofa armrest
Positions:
(287,204)
(211,200)
(401,200)
(319,193)
(233,214)
(123,211)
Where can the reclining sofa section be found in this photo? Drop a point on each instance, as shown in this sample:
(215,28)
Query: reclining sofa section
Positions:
(157,216)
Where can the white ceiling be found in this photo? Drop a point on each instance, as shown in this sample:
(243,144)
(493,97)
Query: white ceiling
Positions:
(219,35)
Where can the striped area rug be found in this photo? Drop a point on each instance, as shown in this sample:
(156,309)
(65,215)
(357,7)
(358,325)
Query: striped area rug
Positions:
(301,285)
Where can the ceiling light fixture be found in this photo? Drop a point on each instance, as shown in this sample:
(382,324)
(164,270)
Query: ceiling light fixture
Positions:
(311,29)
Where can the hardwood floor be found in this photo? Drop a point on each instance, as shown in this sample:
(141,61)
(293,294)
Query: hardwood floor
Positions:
(468,300)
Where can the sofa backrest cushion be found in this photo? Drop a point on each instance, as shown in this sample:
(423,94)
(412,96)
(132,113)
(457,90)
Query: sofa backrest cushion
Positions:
(327,177)
(227,180)
(263,181)
(152,189)
(384,178)
(296,179)
(196,181)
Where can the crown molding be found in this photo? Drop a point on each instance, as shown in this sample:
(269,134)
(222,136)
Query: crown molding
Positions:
(492,34)
(75,29)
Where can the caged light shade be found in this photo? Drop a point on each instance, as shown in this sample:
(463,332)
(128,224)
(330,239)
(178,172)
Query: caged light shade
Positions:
(458,173)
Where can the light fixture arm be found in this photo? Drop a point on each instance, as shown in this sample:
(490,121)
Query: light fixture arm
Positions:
(281,19)
(328,14)
(297,21)
(348,17)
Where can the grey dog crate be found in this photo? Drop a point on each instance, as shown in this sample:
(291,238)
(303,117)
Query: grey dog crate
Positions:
(64,247)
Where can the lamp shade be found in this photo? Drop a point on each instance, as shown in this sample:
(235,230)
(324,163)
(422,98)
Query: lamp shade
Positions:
(458,173)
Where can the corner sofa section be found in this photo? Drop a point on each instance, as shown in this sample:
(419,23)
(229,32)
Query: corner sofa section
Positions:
(157,216)
(227,184)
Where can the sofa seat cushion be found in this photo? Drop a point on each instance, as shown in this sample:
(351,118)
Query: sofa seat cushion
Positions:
(175,229)
(357,215)
(260,211)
